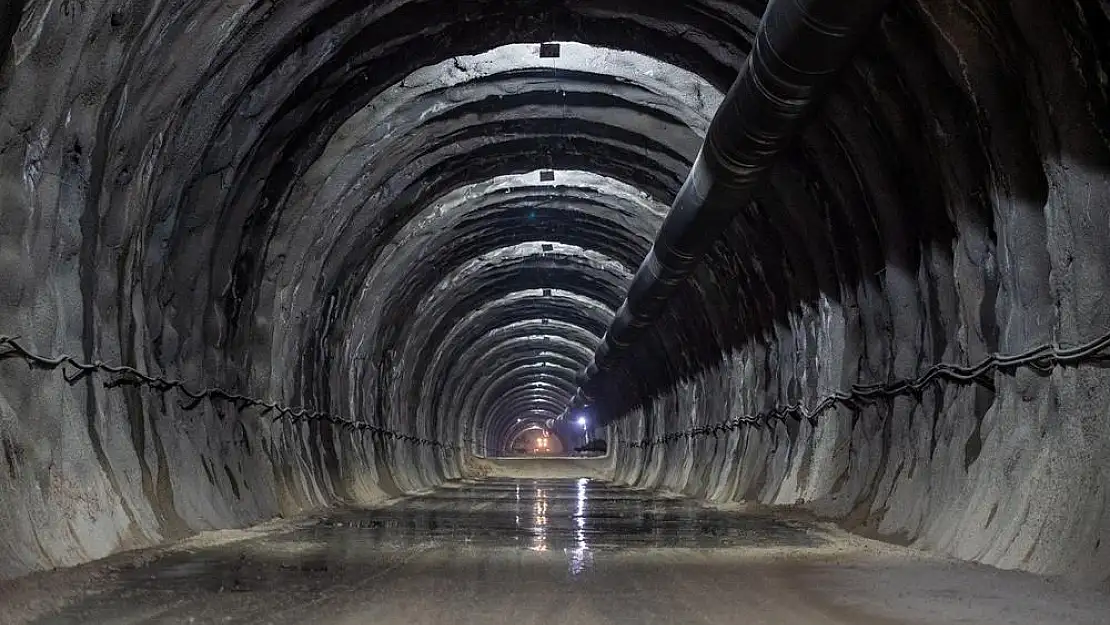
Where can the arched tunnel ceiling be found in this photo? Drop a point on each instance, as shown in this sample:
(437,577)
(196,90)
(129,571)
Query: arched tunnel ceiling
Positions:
(403,175)
(468,188)
(517,173)
(365,179)
(341,198)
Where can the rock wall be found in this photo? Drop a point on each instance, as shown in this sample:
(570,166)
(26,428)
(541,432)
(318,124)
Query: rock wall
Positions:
(105,112)
(960,207)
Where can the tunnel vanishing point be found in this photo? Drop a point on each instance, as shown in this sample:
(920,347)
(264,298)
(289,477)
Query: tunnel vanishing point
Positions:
(262,258)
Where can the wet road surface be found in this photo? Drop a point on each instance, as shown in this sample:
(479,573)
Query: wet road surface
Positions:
(566,551)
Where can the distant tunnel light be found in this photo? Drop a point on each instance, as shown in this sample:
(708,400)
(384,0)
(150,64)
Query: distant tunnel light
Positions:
(582,422)
(542,443)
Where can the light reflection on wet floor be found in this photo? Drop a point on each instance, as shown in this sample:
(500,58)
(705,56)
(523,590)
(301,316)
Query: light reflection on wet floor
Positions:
(572,515)
(562,552)
(464,531)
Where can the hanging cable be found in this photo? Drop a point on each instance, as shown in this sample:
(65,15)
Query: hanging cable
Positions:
(1042,358)
(10,347)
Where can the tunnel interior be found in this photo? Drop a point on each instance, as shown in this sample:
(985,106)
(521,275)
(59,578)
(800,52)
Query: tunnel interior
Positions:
(262,258)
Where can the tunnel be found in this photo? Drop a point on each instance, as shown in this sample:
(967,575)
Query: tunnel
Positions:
(846,261)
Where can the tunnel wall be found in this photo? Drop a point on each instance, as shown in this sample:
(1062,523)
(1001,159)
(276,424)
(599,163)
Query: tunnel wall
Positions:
(1012,154)
(320,204)
(99,470)
(106,113)
(1015,480)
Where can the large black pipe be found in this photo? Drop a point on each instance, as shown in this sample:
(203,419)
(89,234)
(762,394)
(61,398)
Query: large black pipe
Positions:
(799,48)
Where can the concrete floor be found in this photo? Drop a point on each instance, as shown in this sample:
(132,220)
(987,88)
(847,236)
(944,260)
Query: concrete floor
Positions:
(522,551)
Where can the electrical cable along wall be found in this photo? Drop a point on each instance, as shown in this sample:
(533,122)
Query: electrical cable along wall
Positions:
(1042,359)
(130,376)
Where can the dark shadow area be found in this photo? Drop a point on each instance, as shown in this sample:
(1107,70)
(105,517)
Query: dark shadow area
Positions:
(861,196)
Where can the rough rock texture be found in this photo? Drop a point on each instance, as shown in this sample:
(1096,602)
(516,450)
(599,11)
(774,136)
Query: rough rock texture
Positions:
(402,214)
(953,201)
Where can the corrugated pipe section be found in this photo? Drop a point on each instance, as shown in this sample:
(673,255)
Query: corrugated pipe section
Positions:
(800,47)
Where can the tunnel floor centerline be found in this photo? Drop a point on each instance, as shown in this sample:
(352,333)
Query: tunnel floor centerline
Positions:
(511,550)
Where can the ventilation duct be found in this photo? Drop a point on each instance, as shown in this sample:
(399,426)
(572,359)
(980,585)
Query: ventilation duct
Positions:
(799,48)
